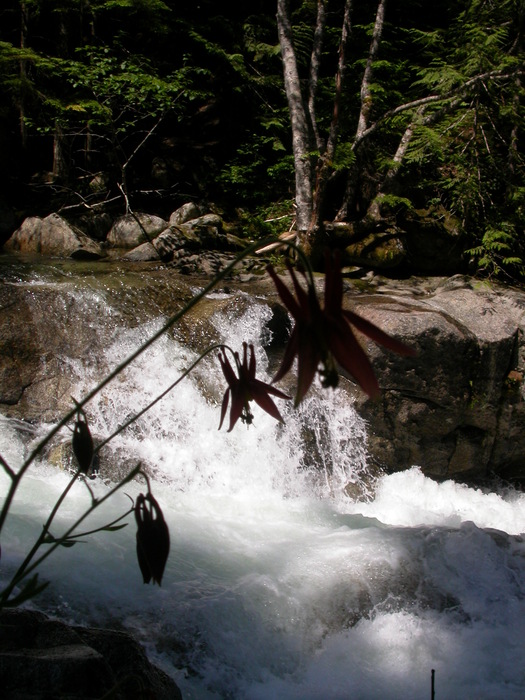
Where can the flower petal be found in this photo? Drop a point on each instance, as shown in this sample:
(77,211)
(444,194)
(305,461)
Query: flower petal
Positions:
(275,392)
(82,444)
(227,369)
(224,407)
(286,296)
(352,358)
(379,336)
(289,354)
(251,367)
(333,283)
(261,397)
(302,297)
(238,402)
(153,538)
(308,361)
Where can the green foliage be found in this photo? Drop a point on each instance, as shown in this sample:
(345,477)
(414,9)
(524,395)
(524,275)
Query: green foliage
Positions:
(124,89)
(260,51)
(344,156)
(250,177)
(461,144)
(270,220)
(391,203)
(207,80)
(262,167)
(496,254)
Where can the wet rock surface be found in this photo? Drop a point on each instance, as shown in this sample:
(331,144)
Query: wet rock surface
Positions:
(456,410)
(42,658)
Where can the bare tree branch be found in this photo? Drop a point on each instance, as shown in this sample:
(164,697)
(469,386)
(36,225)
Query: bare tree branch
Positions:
(325,162)
(315,62)
(452,98)
(366,95)
(339,80)
(300,131)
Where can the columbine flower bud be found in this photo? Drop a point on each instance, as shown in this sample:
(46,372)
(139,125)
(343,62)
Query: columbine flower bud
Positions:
(153,538)
(82,443)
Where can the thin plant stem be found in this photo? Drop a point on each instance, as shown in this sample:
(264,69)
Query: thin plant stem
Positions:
(107,526)
(20,572)
(136,416)
(114,373)
(29,564)
(7,468)
(23,573)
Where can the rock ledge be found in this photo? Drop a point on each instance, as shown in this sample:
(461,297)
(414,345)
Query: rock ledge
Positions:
(42,658)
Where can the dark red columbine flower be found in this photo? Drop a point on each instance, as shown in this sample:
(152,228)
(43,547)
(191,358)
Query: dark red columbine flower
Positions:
(245,388)
(153,538)
(324,336)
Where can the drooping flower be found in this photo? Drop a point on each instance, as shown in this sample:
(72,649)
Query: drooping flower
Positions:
(82,443)
(153,538)
(322,337)
(245,388)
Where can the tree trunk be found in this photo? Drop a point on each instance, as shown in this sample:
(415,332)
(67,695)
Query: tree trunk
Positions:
(366,94)
(23,76)
(324,166)
(364,114)
(301,141)
(315,62)
(305,134)
(60,155)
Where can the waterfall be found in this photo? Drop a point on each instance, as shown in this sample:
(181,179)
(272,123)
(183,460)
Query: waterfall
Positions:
(279,584)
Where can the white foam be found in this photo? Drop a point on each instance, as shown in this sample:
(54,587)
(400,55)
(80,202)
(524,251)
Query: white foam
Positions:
(411,498)
(276,585)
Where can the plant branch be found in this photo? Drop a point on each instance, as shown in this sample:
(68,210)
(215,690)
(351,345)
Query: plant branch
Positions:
(114,373)
(25,568)
(159,397)
(7,468)
(457,93)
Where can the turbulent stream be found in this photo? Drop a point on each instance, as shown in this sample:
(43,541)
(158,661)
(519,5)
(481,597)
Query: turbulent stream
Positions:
(279,584)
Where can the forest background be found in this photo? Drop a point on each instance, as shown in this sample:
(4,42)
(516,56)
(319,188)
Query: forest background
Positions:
(391,112)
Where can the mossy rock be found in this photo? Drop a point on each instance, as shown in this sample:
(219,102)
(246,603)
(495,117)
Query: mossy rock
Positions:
(382,251)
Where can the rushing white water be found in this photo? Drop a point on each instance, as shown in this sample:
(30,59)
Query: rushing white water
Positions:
(278,584)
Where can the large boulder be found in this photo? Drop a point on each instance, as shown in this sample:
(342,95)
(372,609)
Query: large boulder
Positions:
(52,236)
(42,658)
(179,241)
(208,229)
(187,212)
(169,244)
(132,230)
(457,409)
(420,241)
(51,331)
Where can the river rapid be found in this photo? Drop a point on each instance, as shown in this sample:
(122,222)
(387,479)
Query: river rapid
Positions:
(279,584)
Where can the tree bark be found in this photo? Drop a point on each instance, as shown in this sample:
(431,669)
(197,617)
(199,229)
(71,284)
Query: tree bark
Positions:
(301,142)
(366,94)
(324,166)
(60,155)
(364,113)
(305,134)
(23,76)
(315,63)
